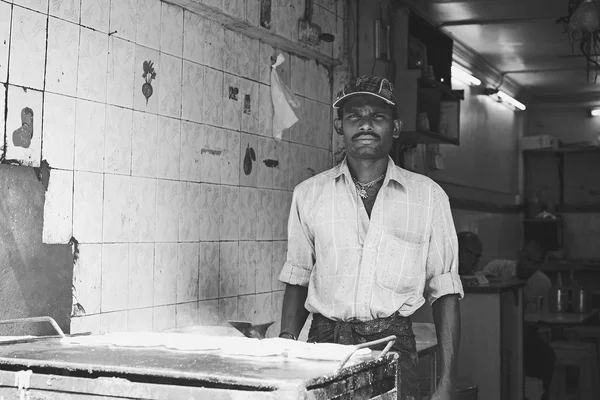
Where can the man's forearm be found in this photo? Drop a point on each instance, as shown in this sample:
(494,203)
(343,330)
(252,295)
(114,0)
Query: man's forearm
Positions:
(293,314)
(446,316)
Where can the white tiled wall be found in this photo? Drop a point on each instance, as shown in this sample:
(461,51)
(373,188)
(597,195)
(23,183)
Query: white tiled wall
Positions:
(172,230)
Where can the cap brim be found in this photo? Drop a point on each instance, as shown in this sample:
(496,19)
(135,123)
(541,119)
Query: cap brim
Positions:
(338,101)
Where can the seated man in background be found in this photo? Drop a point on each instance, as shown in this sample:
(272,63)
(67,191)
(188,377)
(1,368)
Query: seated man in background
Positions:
(538,356)
(469,252)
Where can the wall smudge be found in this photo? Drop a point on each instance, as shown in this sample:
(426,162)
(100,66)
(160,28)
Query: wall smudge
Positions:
(271,163)
(23,135)
(211,152)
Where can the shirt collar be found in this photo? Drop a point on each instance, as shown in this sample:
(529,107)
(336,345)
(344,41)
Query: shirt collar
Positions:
(392,173)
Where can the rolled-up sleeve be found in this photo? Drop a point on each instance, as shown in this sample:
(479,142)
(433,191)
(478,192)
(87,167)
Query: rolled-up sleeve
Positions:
(442,258)
(301,251)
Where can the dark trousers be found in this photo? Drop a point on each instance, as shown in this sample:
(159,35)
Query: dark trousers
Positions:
(324,330)
(538,358)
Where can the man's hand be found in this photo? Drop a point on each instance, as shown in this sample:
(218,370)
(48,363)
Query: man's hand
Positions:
(442,393)
(293,313)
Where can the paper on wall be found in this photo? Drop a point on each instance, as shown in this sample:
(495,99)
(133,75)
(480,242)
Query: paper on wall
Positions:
(284,102)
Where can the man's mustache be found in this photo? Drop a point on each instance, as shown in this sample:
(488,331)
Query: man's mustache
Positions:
(372,134)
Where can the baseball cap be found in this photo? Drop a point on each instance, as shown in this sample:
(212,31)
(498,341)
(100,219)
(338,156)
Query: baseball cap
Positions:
(367,84)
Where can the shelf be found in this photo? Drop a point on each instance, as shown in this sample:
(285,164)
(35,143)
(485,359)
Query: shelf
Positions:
(445,90)
(419,136)
(578,149)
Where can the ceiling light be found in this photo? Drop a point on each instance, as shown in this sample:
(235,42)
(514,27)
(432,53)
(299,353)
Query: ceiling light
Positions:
(502,97)
(464,76)
(595,112)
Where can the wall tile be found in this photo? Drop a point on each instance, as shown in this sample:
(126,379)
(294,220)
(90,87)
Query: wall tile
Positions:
(164,318)
(248,213)
(87,272)
(86,324)
(148,23)
(267,56)
(187,273)
(113,322)
(299,76)
(247,265)
(191,145)
(141,275)
(263,308)
(93,65)
(171,29)
(234,8)
(58,208)
(59,131)
(117,194)
(276,304)
(123,19)
(63,55)
(248,170)
(187,314)
(278,223)
(95,13)
(265,111)
(193,45)
(264,215)
(279,258)
(169,148)
(250,107)
(144,143)
(140,320)
(311,83)
(280,174)
(208,270)
(120,78)
(338,43)
(214,44)
(165,273)
(264,265)
(27,48)
(36,5)
(208,312)
(192,84)
(230,159)
(248,62)
(87,207)
(229,269)
(210,154)
(147,77)
(265,156)
(5,18)
(233,100)
(212,105)
(167,211)
(229,224)
(233,47)
(117,143)
(24,126)
(323,85)
(247,308)
(189,212)
(115,277)
(169,87)
(65,9)
(2,119)
(143,210)
(228,309)
(253,12)
(211,210)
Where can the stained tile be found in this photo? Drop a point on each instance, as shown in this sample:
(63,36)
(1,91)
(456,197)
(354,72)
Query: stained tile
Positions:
(115,223)
(87,207)
(113,322)
(192,85)
(164,318)
(265,111)
(187,273)
(311,83)
(264,265)
(167,211)
(266,162)
(298,130)
(247,307)
(281,172)
(248,63)
(58,208)
(324,85)
(250,107)
(123,19)
(24,126)
(230,159)
(253,12)
(120,78)
(143,209)
(171,29)
(229,225)
(247,265)
(264,215)
(263,308)
(87,273)
(298,75)
(231,52)
(248,213)
(139,320)
(93,65)
(267,57)
(211,210)
(233,101)
(169,87)
(144,143)
(148,23)
(115,277)
(338,43)
(165,273)
(193,45)
(213,97)
(248,159)
(141,275)
(187,314)
(95,13)
(278,222)
(59,131)
(234,8)
(63,54)
(147,77)
(36,5)
(214,44)
(169,148)
(27,48)
(5,18)
(191,146)
(65,9)
(189,212)
(117,143)
(210,154)
(228,309)
(229,269)
(208,270)
(208,312)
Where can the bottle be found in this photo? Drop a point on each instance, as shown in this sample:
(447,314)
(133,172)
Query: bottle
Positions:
(558,296)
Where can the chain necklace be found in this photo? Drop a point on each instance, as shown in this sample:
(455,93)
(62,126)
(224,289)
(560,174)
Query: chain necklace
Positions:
(362,187)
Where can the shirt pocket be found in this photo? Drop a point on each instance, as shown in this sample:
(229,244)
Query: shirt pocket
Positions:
(401,265)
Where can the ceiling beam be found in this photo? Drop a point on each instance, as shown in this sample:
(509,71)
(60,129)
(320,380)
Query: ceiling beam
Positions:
(532,71)
(484,21)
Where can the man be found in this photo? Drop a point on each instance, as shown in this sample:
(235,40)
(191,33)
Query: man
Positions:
(369,241)
(469,252)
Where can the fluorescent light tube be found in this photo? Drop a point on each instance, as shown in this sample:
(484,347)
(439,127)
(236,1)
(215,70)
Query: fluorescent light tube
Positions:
(464,76)
(512,101)
(595,112)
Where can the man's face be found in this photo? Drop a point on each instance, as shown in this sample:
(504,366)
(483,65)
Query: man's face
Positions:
(368,127)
